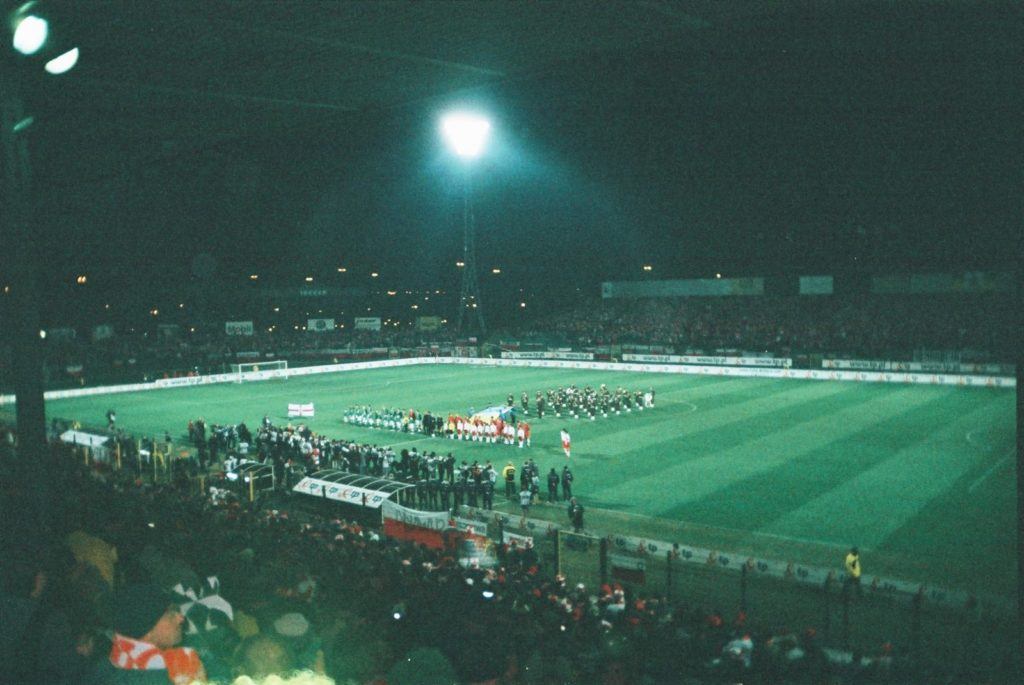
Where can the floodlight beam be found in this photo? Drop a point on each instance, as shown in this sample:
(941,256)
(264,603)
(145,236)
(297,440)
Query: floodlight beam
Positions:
(30,34)
(466,133)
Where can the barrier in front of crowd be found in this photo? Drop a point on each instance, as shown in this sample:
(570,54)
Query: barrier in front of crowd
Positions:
(632,559)
(920,378)
(733,371)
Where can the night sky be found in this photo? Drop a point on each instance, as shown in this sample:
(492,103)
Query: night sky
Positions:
(870,139)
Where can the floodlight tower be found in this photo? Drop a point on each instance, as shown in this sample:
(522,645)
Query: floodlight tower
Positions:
(466,134)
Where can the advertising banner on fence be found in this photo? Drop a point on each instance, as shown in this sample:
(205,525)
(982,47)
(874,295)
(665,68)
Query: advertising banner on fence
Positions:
(320,325)
(238,327)
(548,354)
(428,323)
(925,367)
(709,361)
(816,285)
(102,332)
(424,527)
(367,323)
(628,569)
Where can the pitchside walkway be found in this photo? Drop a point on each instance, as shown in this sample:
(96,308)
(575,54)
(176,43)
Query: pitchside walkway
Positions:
(914,622)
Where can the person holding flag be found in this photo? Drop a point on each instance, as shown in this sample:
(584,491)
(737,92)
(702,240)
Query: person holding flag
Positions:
(566,442)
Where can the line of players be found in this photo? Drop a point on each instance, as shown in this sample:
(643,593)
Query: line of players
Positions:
(575,402)
(455,427)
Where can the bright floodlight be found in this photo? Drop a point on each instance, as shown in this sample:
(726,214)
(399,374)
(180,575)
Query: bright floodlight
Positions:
(30,34)
(465,133)
(62,63)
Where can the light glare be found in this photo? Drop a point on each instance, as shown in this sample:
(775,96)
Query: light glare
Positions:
(465,133)
(62,63)
(30,35)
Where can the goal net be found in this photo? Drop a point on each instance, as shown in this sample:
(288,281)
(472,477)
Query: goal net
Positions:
(259,371)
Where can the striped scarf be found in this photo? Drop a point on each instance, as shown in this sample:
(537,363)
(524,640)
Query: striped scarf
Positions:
(182,664)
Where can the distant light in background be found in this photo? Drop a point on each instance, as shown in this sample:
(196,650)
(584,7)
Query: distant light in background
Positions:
(495,271)
(181,305)
(342,269)
(522,305)
(81,280)
(309,279)
(154,312)
(718,275)
(254,277)
(42,334)
(374,274)
(648,267)
(62,63)
(415,306)
(30,33)
(465,133)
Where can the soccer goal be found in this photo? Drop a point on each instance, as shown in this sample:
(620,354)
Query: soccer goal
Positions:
(259,371)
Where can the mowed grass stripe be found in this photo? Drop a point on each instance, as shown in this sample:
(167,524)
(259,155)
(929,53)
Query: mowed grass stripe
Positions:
(697,478)
(963,530)
(879,500)
(704,432)
(755,501)
(623,429)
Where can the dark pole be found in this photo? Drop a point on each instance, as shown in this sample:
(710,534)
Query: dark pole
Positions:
(846,615)
(469,293)
(668,573)
(1018,297)
(827,594)
(743,589)
(17,234)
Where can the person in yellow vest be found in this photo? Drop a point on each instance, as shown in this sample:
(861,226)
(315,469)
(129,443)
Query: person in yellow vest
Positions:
(509,475)
(853,569)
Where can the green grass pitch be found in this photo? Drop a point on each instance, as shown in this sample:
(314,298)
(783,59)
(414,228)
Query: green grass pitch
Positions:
(921,478)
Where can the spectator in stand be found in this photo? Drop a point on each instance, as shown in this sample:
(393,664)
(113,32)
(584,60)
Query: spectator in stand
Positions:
(38,643)
(147,630)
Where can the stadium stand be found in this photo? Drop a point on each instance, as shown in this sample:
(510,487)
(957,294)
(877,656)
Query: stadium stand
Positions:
(973,328)
(338,598)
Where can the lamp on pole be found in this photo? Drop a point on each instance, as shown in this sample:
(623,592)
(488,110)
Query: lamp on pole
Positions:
(466,134)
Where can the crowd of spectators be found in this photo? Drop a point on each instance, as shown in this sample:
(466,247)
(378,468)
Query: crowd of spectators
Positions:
(317,592)
(977,327)
(868,327)
(137,356)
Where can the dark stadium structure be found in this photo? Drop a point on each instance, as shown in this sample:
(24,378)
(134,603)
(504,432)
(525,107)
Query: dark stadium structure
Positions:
(219,192)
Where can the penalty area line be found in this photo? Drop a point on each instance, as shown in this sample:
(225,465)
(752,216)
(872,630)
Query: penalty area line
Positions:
(992,469)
